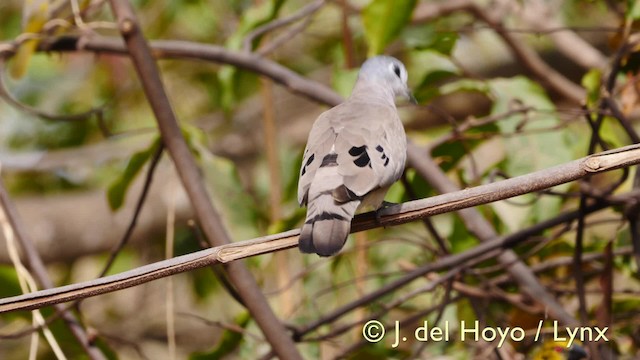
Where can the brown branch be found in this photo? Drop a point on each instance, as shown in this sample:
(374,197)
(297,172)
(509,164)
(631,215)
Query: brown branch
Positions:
(190,176)
(539,14)
(6,95)
(306,11)
(175,49)
(155,159)
(484,231)
(39,272)
(393,215)
(523,53)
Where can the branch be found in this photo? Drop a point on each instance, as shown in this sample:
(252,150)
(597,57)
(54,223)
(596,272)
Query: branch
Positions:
(539,14)
(523,53)
(39,272)
(208,217)
(176,49)
(393,215)
(261,30)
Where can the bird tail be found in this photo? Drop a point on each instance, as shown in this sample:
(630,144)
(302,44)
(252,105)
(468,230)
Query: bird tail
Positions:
(327,225)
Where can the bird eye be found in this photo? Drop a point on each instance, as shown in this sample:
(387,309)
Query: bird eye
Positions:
(396,70)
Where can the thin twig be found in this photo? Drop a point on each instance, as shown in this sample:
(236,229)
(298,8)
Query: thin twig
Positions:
(302,13)
(6,96)
(393,215)
(523,53)
(191,178)
(155,159)
(39,272)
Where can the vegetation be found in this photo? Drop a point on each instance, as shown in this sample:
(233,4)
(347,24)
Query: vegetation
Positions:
(98,179)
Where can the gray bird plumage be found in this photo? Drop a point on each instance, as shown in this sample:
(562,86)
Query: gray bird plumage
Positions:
(354,153)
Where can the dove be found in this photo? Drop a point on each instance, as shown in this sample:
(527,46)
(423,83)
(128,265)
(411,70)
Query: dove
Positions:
(354,153)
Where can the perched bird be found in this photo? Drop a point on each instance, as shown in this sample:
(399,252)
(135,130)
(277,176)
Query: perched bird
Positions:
(354,153)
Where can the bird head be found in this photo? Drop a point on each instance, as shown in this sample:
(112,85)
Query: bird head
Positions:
(389,73)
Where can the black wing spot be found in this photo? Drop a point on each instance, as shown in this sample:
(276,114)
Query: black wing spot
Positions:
(383,156)
(309,161)
(363,160)
(360,153)
(357,150)
(330,160)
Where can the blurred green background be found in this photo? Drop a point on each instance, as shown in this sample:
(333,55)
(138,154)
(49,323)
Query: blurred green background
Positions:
(75,182)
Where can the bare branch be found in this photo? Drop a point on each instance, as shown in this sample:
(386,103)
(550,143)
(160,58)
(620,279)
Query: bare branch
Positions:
(6,96)
(208,217)
(523,53)
(538,14)
(393,215)
(40,274)
(302,13)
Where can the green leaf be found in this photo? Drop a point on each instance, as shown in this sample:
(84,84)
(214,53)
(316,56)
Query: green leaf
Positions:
(234,82)
(118,189)
(237,207)
(480,86)
(383,21)
(429,88)
(591,81)
(450,153)
(427,38)
(612,133)
(228,343)
(434,68)
(633,10)
(538,143)
(9,280)
(462,239)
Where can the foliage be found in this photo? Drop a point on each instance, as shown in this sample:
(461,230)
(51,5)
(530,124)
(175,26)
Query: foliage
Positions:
(484,114)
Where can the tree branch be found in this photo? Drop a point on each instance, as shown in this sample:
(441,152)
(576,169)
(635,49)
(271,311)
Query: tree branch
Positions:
(523,53)
(190,176)
(393,215)
(39,272)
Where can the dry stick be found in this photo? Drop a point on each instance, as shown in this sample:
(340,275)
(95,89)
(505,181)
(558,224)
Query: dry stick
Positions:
(175,49)
(403,323)
(39,272)
(186,167)
(393,215)
(280,74)
(484,231)
(138,209)
(132,224)
(562,261)
(605,102)
(6,96)
(443,263)
(632,212)
(523,53)
(347,36)
(284,265)
(538,13)
(270,26)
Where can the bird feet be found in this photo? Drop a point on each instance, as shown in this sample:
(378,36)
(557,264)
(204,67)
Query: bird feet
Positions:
(384,205)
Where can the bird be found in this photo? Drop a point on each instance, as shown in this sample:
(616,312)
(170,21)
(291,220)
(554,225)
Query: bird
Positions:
(355,151)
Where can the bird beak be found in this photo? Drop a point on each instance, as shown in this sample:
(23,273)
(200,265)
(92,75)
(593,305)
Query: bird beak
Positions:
(411,98)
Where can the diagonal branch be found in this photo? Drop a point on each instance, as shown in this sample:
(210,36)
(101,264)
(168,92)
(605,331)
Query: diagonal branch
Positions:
(393,215)
(191,178)
(39,271)
(528,57)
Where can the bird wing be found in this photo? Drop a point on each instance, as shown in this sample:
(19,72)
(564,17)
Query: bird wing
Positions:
(366,144)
